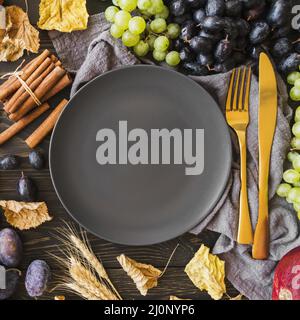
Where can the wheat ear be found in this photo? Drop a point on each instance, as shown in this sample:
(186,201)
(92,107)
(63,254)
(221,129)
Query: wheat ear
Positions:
(73,286)
(85,278)
(93,261)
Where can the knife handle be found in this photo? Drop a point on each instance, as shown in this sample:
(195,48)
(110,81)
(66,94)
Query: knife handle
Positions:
(245,235)
(260,250)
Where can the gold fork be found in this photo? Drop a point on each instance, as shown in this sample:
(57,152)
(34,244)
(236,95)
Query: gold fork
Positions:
(237,116)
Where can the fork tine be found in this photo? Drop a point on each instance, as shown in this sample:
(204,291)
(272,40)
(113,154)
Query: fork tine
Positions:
(236,91)
(229,94)
(242,89)
(247,93)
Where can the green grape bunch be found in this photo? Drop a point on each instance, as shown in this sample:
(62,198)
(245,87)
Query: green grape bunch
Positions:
(142,25)
(290,188)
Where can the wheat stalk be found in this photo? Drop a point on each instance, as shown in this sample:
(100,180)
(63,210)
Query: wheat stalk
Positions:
(86,279)
(73,286)
(87,253)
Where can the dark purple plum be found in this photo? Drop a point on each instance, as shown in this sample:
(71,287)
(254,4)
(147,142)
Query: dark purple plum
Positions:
(233,8)
(215,8)
(199,16)
(11,248)
(223,50)
(12,278)
(279,13)
(213,24)
(259,32)
(195,69)
(201,45)
(281,47)
(178,8)
(37,278)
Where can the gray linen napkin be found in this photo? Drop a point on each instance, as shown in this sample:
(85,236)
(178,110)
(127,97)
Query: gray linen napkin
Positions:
(93,52)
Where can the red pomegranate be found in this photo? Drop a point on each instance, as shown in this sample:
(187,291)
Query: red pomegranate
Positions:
(286,284)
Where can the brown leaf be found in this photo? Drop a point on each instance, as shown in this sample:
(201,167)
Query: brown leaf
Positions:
(20,35)
(64,16)
(207,272)
(177,298)
(143,275)
(25,215)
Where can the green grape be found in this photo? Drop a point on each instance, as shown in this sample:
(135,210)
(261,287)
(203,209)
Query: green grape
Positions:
(173,58)
(289,200)
(296,206)
(161,43)
(115,2)
(122,19)
(291,176)
(283,190)
(173,30)
(295,143)
(292,77)
(294,195)
(141,49)
(295,94)
(292,155)
(116,31)
(296,164)
(137,25)
(158,6)
(297,114)
(150,40)
(297,184)
(164,14)
(144,4)
(297,83)
(127,5)
(159,55)
(158,25)
(129,39)
(296,129)
(110,13)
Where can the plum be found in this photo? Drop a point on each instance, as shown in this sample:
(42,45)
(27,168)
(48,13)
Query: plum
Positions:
(9,162)
(27,189)
(37,278)
(36,159)
(11,277)
(11,248)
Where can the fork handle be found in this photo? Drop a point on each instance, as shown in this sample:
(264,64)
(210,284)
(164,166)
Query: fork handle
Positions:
(245,234)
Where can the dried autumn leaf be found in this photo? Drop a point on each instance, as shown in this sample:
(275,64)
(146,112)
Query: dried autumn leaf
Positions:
(20,35)
(176,298)
(207,272)
(238,297)
(11,50)
(64,16)
(25,215)
(143,275)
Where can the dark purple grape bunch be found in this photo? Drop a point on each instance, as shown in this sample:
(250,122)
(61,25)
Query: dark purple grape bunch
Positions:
(218,35)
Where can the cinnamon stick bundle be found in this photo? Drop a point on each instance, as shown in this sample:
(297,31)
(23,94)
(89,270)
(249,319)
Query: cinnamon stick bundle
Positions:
(13,84)
(45,128)
(21,124)
(13,102)
(46,85)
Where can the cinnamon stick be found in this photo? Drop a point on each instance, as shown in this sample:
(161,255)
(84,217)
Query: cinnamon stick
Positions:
(21,124)
(47,84)
(15,84)
(65,81)
(13,102)
(41,132)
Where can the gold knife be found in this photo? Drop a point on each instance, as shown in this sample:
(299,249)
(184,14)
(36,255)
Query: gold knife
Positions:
(267,117)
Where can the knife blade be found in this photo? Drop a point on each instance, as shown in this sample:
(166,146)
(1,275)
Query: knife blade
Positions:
(267,118)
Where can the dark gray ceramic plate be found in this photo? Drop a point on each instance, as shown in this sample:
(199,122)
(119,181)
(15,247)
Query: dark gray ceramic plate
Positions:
(138,204)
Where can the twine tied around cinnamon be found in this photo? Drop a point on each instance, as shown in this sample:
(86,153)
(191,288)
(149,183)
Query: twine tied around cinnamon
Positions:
(18,74)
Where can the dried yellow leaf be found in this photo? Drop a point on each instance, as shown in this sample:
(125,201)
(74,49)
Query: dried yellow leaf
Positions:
(238,297)
(25,215)
(143,275)
(176,298)
(64,16)
(11,50)
(19,35)
(207,272)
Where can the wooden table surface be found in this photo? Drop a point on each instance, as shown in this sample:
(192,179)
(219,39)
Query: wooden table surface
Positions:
(40,243)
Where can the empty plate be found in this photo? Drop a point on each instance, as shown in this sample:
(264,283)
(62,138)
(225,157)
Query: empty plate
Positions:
(115,166)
